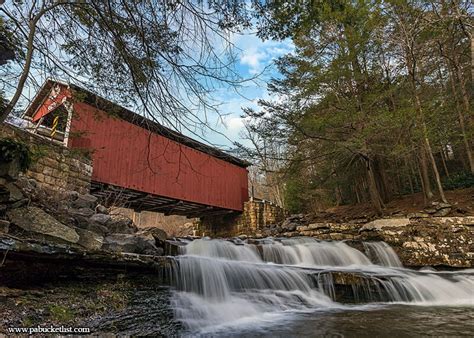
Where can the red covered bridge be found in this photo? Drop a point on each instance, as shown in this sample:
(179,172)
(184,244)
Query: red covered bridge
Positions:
(136,162)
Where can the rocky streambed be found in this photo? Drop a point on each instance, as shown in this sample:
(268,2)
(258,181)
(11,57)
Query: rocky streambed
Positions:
(419,241)
(65,260)
(104,302)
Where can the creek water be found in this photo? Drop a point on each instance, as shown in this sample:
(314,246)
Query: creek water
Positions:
(310,287)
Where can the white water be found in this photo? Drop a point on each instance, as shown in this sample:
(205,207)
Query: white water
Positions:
(383,254)
(222,284)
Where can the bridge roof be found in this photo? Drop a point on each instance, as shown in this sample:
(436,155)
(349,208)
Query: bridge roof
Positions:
(132,117)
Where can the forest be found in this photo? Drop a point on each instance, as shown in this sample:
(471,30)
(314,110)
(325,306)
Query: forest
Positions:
(375,102)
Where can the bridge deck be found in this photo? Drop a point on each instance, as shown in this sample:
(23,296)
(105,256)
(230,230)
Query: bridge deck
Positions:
(111,195)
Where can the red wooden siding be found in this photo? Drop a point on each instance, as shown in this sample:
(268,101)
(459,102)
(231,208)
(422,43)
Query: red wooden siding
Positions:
(129,156)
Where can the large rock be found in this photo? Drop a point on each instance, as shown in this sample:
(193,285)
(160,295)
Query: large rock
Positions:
(466,220)
(439,209)
(121,225)
(97,228)
(101,219)
(4,226)
(379,224)
(81,212)
(34,219)
(89,240)
(317,226)
(100,209)
(85,201)
(418,215)
(130,243)
(157,233)
(15,193)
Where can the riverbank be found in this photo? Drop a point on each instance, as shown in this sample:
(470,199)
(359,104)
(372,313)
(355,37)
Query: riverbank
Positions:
(107,302)
(66,261)
(418,241)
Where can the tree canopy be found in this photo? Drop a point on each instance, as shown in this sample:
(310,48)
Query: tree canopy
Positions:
(162,58)
(375,102)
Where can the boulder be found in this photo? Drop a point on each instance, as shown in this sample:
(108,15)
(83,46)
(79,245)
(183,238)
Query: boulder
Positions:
(89,240)
(302,228)
(87,224)
(4,226)
(19,204)
(85,201)
(467,220)
(130,243)
(439,209)
(97,228)
(81,212)
(15,193)
(100,209)
(317,226)
(121,225)
(443,212)
(379,224)
(71,196)
(289,226)
(4,195)
(34,219)
(157,233)
(418,215)
(101,219)
(291,223)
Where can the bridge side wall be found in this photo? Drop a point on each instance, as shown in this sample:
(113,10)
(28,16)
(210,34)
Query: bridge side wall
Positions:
(55,166)
(129,156)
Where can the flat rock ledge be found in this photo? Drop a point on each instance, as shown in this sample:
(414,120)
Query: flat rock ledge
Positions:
(31,260)
(433,241)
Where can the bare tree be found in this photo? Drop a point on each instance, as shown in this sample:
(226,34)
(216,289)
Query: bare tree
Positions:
(162,58)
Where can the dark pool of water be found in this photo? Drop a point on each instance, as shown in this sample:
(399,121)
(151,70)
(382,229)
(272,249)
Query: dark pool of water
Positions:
(372,321)
(151,313)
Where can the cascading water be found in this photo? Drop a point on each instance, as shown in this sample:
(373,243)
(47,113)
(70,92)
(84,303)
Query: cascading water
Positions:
(222,283)
(382,254)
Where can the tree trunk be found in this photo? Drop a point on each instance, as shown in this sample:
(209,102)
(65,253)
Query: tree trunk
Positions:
(412,70)
(443,160)
(24,74)
(428,148)
(435,170)
(424,176)
(373,191)
(470,157)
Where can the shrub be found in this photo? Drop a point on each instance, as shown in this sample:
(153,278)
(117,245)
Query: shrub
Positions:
(459,181)
(11,149)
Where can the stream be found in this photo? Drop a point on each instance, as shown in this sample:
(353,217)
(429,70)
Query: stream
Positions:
(267,287)
(293,286)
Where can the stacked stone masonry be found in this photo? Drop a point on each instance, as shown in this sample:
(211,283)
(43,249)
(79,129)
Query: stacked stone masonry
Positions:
(55,167)
(257,215)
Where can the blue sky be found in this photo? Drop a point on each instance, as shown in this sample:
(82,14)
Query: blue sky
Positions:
(254,56)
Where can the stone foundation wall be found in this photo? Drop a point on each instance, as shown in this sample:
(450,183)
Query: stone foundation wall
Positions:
(56,167)
(257,215)
(173,225)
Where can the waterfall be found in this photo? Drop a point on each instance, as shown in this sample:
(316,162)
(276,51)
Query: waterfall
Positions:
(221,283)
(310,252)
(383,254)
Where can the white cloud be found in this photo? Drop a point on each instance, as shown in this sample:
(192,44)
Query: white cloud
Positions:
(253,59)
(254,55)
(257,54)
